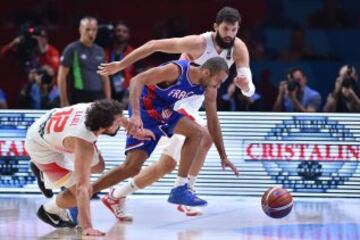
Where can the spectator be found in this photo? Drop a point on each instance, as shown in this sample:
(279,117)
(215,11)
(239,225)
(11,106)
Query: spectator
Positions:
(298,48)
(120,48)
(33,49)
(329,17)
(346,95)
(81,59)
(39,92)
(3,101)
(295,96)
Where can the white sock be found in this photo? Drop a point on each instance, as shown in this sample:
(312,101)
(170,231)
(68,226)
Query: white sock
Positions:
(52,207)
(192,180)
(180,181)
(125,189)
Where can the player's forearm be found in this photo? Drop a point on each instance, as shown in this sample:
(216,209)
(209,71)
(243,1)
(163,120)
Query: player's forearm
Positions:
(215,132)
(83,194)
(138,54)
(136,86)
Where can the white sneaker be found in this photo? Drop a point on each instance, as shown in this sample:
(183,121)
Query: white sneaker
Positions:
(116,206)
(190,211)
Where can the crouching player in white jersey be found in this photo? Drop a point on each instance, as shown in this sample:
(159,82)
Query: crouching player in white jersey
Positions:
(61,144)
(197,48)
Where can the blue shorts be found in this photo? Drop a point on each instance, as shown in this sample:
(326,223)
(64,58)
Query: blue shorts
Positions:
(158,128)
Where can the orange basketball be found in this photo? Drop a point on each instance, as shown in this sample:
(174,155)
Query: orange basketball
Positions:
(277,202)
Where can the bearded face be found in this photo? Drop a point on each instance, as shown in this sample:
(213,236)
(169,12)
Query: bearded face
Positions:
(226,34)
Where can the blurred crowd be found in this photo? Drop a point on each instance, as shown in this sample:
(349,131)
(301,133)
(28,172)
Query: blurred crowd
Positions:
(59,77)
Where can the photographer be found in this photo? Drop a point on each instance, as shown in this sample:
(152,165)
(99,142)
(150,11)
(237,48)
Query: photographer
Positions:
(295,96)
(39,93)
(33,49)
(346,95)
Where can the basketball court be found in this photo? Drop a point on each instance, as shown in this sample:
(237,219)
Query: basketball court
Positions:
(224,218)
(325,205)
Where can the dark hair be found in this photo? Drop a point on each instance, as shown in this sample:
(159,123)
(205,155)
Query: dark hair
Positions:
(293,70)
(215,65)
(121,22)
(101,114)
(228,14)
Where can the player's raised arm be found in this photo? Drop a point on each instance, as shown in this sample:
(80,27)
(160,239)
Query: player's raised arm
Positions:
(214,127)
(153,76)
(171,45)
(243,80)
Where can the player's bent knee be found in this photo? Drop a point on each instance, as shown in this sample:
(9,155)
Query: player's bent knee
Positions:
(168,164)
(197,133)
(206,141)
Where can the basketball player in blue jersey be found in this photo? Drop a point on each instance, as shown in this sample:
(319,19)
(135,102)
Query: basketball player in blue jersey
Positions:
(152,98)
(197,48)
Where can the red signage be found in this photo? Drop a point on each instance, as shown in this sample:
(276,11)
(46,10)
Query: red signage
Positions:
(288,151)
(12,148)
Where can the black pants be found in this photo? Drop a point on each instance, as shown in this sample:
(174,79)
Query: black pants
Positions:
(84,96)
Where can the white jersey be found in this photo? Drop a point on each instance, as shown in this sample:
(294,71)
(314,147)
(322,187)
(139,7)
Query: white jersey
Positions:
(193,104)
(60,123)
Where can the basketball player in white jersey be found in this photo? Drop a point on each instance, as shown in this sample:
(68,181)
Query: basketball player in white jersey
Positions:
(61,144)
(197,48)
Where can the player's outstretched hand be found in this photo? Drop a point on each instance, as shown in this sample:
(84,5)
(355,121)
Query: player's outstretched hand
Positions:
(106,69)
(92,232)
(134,125)
(144,134)
(227,163)
(241,82)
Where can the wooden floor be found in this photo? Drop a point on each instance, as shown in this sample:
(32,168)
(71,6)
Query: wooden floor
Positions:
(225,218)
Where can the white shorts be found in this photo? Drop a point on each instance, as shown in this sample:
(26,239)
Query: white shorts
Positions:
(172,146)
(57,167)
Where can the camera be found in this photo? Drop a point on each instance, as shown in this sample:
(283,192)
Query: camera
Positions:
(29,45)
(349,81)
(292,84)
(105,35)
(45,78)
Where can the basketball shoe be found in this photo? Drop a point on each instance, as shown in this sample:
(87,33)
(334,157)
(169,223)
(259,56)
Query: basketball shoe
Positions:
(116,206)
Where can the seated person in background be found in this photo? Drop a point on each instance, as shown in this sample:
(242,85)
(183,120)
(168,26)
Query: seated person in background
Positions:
(346,95)
(3,102)
(295,96)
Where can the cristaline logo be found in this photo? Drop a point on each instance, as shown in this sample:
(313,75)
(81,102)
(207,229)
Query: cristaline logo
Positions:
(285,151)
(307,153)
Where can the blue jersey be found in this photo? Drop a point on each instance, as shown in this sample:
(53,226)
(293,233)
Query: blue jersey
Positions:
(158,102)
(156,106)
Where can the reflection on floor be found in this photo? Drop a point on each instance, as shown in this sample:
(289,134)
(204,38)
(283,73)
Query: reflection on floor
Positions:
(224,218)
